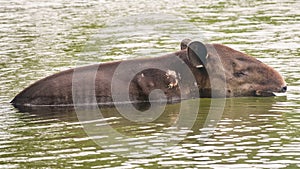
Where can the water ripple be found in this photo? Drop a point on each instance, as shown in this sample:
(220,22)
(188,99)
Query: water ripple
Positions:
(41,38)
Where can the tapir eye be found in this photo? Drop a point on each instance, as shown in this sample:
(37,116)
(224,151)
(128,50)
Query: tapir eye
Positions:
(239,74)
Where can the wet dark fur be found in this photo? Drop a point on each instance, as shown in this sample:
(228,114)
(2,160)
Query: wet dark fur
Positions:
(245,76)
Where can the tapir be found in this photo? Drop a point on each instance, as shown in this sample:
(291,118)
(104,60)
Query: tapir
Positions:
(197,70)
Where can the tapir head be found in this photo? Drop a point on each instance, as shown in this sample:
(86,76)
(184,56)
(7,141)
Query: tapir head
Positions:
(234,72)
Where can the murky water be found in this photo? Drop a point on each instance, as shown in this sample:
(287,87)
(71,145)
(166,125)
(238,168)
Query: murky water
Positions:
(40,38)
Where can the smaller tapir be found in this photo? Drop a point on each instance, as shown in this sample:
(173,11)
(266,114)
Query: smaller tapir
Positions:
(242,76)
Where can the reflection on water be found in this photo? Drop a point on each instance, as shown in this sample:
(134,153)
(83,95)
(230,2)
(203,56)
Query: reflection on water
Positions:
(38,39)
(251,131)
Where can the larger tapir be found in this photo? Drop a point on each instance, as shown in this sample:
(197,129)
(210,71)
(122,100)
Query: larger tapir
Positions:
(240,75)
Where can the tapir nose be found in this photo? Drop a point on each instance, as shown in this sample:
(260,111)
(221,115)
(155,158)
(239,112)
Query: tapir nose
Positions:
(284,89)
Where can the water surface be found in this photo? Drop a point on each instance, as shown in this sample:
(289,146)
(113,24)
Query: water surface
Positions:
(41,38)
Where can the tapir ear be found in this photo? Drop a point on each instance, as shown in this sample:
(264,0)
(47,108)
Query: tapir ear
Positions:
(197,53)
(184,43)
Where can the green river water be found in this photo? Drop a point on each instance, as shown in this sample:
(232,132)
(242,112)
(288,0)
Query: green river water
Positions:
(39,38)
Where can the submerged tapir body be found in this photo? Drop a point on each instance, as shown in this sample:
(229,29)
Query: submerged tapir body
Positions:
(232,73)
